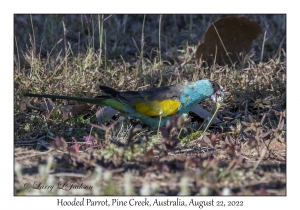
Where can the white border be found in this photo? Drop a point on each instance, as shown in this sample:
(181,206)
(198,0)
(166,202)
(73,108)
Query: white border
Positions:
(154,6)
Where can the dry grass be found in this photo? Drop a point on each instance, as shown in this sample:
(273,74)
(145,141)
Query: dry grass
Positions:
(246,153)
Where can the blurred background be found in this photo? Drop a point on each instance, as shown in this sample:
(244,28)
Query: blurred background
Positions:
(122,34)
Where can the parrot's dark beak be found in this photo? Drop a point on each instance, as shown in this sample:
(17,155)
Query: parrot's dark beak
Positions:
(218,96)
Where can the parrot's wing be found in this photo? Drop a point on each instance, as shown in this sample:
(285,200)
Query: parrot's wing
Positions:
(163,101)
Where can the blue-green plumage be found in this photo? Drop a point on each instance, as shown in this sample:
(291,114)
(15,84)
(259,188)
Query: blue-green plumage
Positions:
(193,93)
(189,94)
(155,106)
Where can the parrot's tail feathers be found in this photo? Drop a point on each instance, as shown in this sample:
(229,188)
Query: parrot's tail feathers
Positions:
(78,99)
(109,91)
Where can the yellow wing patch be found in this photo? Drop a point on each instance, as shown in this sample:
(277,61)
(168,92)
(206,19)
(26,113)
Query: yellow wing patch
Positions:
(163,108)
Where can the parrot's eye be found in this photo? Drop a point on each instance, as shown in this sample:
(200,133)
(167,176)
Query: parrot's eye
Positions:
(215,86)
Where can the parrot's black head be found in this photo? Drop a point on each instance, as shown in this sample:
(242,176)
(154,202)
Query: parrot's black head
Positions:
(215,86)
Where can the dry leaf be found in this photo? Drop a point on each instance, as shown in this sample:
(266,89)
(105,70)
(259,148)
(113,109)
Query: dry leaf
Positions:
(46,106)
(105,113)
(73,110)
(236,34)
(198,110)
